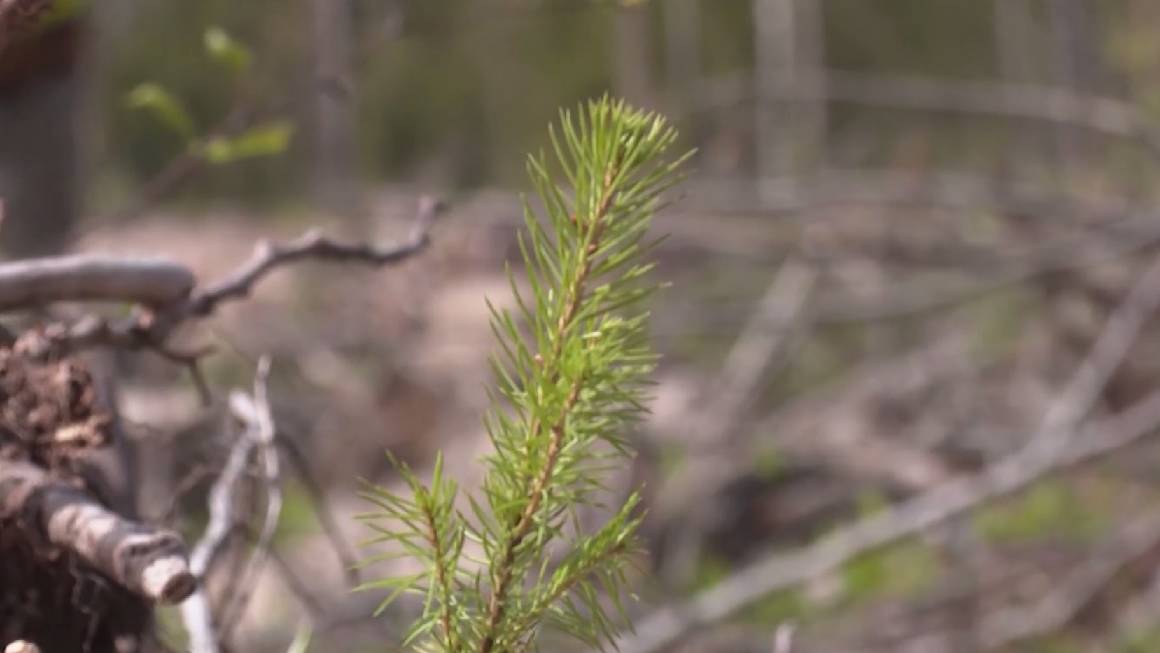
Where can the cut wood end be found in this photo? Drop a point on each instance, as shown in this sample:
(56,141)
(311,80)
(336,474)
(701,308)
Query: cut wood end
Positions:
(168,580)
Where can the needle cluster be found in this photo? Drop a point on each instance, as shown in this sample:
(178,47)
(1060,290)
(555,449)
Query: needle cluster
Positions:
(571,379)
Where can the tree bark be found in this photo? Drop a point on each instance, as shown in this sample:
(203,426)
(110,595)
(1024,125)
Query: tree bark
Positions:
(633,79)
(332,88)
(789,48)
(1076,65)
(38,166)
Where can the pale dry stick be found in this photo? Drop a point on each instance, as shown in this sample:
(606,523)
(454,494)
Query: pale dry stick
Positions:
(760,341)
(800,197)
(254,414)
(326,519)
(257,412)
(762,338)
(809,198)
(1070,594)
(1048,443)
(267,257)
(299,587)
(196,614)
(783,639)
(908,300)
(1082,393)
(148,561)
(1120,332)
(1110,116)
(36,282)
(1123,237)
(781,571)
(166,290)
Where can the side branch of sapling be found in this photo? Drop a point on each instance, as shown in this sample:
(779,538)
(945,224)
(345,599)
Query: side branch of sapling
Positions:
(501,581)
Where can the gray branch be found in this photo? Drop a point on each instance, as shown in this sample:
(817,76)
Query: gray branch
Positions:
(313,245)
(168,288)
(148,561)
(35,282)
(1010,100)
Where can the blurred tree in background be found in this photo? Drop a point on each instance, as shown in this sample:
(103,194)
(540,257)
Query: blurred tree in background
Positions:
(40,89)
(449,92)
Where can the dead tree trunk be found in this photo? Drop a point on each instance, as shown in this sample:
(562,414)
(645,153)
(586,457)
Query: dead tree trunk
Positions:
(1076,65)
(334,169)
(38,142)
(633,79)
(789,49)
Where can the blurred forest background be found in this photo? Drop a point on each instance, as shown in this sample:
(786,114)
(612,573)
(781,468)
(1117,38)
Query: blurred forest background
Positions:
(910,360)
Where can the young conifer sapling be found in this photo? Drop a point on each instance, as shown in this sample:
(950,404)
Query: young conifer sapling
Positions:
(502,566)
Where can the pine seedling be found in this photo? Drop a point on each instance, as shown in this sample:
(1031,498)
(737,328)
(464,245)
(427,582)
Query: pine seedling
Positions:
(571,379)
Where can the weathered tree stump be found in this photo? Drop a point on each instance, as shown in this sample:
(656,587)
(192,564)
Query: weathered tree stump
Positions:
(74,575)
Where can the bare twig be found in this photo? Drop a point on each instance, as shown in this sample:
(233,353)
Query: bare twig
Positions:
(35,282)
(330,527)
(1024,101)
(313,245)
(727,397)
(148,561)
(783,639)
(195,612)
(258,416)
(254,413)
(297,586)
(165,288)
(763,336)
(1083,391)
(907,300)
(187,165)
(1075,591)
(180,491)
(792,196)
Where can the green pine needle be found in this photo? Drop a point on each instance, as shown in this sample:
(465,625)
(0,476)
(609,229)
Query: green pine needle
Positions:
(571,379)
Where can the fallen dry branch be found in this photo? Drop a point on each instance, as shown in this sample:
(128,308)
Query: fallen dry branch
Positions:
(910,299)
(713,428)
(148,561)
(1074,591)
(36,282)
(763,337)
(781,571)
(255,412)
(800,197)
(195,611)
(1057,443)
(343,551)
(1064,106)
(1114,343)
(312,246)
(258,433)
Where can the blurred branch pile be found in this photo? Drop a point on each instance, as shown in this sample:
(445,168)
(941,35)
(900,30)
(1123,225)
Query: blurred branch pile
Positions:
(930,424)
(56,528)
